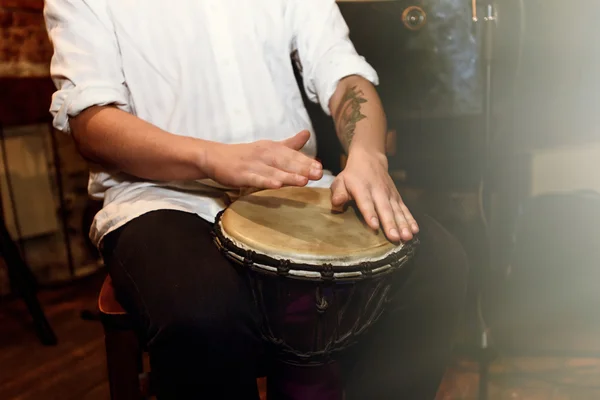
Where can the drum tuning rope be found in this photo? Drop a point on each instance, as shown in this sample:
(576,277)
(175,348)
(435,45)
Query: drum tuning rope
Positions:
(321,301)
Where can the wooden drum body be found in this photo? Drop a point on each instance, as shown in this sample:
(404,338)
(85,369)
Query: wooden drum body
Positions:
(320,278)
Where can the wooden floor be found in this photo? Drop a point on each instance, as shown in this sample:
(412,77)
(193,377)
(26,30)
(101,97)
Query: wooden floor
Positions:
(75,368)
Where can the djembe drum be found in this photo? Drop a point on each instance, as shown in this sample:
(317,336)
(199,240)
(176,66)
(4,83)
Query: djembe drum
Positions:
(320,278)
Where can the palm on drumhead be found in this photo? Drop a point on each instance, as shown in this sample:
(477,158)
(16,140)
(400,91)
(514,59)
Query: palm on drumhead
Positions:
(366,180)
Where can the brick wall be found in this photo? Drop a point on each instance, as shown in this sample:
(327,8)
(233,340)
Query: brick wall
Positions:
(24,46)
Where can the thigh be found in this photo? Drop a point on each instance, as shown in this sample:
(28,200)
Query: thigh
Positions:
(186,297)
(407,351)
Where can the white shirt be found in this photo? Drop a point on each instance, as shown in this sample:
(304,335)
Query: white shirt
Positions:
(219,70)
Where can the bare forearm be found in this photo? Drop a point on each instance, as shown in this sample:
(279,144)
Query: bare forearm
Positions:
(116,139)
(358,115)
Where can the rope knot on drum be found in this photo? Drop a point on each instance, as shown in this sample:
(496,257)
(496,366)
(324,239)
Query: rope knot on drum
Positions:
(327,272)
(283,269)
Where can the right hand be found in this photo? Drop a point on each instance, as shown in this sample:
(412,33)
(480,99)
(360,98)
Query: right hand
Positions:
(264,164)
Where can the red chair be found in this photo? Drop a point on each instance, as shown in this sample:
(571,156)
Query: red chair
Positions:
(124,354)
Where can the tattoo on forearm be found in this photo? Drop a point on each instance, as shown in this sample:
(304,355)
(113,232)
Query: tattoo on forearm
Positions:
(349,114)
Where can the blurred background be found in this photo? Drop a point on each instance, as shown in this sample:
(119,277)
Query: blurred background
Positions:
(494,129)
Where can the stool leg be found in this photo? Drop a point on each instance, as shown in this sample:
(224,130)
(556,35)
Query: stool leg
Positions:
(23,280)
(124,362)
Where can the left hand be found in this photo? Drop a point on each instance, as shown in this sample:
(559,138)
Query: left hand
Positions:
(365,180)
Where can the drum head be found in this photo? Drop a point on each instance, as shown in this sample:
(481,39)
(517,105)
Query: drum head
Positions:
(299,225)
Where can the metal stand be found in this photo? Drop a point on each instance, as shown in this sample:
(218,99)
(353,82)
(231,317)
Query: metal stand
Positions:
(485,355)
(64,213)
(23,281)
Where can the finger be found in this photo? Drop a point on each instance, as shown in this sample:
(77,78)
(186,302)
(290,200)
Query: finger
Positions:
(261,182)
(297,141)
(297,163)
(384,209)
(412,222)
(286,178)
(365,204)
(339,194)
(402,221)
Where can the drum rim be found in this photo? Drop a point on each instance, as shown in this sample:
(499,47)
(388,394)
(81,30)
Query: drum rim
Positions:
(307,271)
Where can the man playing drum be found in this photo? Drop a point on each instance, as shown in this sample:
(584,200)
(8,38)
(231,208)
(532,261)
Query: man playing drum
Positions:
(176,105)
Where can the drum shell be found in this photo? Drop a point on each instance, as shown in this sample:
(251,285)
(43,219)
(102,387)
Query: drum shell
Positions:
(311,321)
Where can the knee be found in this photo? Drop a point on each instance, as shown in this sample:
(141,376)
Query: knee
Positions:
(445,243)
(443,256)
(456,260)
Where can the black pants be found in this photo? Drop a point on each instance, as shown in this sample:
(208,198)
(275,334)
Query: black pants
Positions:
(195,313)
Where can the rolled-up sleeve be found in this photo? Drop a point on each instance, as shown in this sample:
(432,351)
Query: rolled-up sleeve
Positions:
(321,39)
(86,65)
